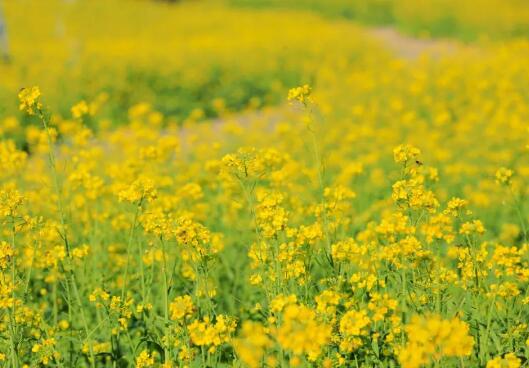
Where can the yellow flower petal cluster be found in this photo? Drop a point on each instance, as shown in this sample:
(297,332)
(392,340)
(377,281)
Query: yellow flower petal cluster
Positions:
(431,338)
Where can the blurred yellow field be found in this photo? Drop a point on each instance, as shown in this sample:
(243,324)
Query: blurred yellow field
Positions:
(262,184)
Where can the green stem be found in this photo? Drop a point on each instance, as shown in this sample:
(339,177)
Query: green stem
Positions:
(166,305)
(129,255)
(13,324)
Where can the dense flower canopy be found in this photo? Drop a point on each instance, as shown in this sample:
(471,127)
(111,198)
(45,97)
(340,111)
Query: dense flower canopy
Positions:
(375,217)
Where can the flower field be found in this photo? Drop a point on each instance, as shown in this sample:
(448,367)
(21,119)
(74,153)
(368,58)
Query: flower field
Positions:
(221,184)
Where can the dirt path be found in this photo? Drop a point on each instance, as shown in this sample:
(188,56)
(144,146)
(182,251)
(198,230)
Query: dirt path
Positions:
(402,46)
(410,48)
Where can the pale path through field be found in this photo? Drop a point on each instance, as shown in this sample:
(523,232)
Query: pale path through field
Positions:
(402,46)
(411,48)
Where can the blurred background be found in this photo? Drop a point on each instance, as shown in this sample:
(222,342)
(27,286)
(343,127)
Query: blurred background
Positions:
(199,59)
